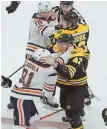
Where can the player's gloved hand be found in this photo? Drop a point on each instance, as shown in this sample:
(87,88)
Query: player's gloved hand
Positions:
(47,60)
(28,56)
(55,55)
(59,26)
(104,115)
(6,82)
(13,6)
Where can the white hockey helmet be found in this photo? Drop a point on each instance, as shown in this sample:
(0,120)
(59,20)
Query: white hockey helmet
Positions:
(44,6)
(40,53)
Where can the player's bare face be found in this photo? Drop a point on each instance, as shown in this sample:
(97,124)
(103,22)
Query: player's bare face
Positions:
(46,15)
(66,8)
(63,46)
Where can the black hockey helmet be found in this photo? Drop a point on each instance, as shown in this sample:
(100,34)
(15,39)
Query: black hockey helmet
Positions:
(67,2)
(68,38)
(71,17)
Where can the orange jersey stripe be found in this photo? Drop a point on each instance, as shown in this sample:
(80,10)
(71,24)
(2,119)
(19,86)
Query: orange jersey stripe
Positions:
(21,113)
(27,91)
(59,60)
(32,47)
(49,87)
(42,27)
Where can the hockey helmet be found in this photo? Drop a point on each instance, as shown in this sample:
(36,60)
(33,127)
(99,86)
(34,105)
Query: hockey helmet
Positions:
(40,53)
(67,2)
(68,38)
(44,6)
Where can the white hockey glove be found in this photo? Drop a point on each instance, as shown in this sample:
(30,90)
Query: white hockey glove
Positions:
(50,59)
(47,60)
(55,55)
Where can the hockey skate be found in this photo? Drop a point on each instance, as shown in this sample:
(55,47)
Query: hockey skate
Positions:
(49,104)
(65,120)
(82,115)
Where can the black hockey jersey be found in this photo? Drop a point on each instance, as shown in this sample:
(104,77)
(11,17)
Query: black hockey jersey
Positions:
(72,73)
(59,13)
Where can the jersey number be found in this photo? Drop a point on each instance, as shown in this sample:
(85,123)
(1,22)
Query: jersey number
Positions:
(27,75)
(83,45)
(38,23)
(77,60)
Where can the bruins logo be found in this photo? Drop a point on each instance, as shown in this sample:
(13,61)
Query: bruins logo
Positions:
(59,32)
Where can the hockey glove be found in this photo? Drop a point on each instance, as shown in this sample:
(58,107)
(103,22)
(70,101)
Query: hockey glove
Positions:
(6,82)
(55,55)
(13,6)
(47,60)
(104,115)
(58,27)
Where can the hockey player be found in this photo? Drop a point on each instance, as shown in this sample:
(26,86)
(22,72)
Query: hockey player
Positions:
(64,8)
(30,87)
(43,24)
(71,78)
(81,34)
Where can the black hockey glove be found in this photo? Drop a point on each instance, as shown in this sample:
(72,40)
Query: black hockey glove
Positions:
(6,82)
(104,115)
(13,6)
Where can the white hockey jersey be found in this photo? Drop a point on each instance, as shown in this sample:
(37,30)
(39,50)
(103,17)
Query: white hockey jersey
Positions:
(39,32)
(32,81)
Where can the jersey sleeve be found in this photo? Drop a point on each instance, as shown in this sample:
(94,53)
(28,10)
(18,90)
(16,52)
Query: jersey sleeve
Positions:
(68,70)
(46,30)
(43,27)
(81,19)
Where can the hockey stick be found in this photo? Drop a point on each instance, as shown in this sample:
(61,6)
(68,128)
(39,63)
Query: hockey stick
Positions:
(6,82)
(48,115)
(92,96)
(15,71)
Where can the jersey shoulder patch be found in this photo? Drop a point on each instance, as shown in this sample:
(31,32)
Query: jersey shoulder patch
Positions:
(58,33)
